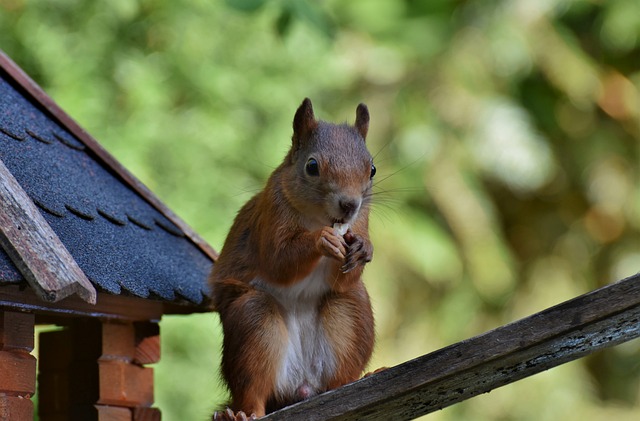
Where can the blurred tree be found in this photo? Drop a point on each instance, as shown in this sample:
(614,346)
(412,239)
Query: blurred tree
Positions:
(507,135)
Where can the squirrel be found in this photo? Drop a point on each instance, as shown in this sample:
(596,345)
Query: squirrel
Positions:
(296,316)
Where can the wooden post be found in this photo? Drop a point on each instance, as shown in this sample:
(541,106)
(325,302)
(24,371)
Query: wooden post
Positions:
(94,371)
(17,366)
(68,371)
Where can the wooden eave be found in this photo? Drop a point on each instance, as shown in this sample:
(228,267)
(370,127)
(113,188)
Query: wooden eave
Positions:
(107,306)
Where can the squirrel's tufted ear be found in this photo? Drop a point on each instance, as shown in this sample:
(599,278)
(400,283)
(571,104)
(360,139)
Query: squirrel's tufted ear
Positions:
(362,120)
(304,121)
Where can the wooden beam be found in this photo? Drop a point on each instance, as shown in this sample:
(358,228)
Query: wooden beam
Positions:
(35,248)
(107,306)
(36,92)
(576,328)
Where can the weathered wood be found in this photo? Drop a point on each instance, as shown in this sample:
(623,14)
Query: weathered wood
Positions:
(35,248)
(107,306)
(576,328)
(16,331)
(47,103)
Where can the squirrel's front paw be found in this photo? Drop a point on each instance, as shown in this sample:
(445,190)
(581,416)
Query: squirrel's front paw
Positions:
(332,244)
(359,251)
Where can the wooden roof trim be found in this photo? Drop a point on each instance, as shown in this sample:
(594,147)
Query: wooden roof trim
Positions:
(107,306)
(574,329)
(36,92)
(35,248)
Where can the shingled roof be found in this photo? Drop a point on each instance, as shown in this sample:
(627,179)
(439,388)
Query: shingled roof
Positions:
(125,241)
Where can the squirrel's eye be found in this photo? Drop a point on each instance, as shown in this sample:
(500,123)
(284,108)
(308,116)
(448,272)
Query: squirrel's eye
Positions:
(312,167)
(373,171)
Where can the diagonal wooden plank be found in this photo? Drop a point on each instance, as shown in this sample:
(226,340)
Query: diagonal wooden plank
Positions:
(576,328)
(35,248)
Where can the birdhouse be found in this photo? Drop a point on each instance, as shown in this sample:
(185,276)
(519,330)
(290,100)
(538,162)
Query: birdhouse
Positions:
(84,246)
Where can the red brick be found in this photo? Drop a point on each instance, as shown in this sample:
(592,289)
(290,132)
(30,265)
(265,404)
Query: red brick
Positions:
(17,373)
(125,384)
(113,413)
(15,408)
(146,414)
(118,341)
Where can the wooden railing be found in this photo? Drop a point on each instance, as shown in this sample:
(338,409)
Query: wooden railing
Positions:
(602,318)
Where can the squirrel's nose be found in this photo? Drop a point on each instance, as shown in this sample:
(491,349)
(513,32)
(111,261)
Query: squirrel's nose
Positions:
(349,207)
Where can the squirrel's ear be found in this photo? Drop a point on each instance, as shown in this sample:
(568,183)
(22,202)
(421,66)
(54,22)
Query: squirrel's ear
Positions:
(362,120)
(304,121)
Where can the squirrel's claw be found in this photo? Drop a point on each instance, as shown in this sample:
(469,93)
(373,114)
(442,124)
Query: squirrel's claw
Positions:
(346,268)
(359,251)
(229,415)
(376,371)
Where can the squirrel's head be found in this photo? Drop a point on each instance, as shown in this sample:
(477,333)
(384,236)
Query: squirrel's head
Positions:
(330,166)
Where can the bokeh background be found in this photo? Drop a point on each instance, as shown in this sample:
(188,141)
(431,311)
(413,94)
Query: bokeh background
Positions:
(506,136)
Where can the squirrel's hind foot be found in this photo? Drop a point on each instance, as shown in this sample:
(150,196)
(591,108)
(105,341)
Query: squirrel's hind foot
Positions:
(229,415)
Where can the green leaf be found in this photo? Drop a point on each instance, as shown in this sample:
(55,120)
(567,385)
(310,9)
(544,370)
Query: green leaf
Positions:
(247,6)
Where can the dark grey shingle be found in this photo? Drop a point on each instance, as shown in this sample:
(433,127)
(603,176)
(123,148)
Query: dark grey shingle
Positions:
(121,242)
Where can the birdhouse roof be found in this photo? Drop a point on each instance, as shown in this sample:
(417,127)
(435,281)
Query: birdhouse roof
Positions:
(120,235)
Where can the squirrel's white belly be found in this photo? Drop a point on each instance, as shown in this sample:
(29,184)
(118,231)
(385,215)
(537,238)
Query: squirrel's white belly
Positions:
(309,360)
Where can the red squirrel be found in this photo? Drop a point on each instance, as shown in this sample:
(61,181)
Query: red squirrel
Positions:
(296,317)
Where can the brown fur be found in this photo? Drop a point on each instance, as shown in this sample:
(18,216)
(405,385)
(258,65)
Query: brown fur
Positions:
(278,239)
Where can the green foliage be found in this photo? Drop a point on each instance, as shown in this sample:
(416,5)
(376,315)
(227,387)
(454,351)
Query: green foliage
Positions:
(506,136)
